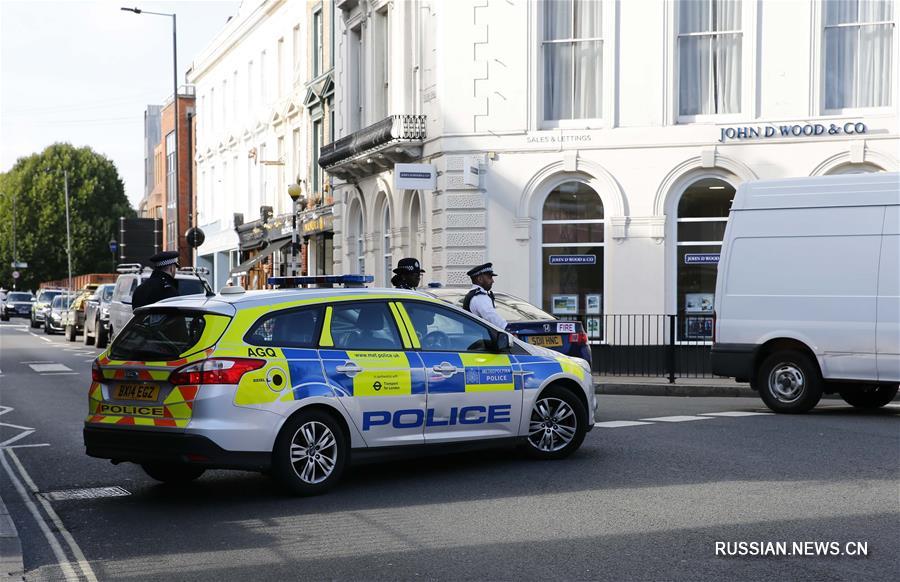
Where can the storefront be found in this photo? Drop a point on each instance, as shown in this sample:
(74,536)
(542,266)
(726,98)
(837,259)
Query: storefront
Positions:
(265,251)
(317,228)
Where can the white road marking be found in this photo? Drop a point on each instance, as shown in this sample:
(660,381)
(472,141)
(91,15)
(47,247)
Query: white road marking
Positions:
(677,418)
(37,362)
(19,436)
(57,522)
(50,367)
(28,446)
(60,373)
(736,413)
(619,423)
(61,558)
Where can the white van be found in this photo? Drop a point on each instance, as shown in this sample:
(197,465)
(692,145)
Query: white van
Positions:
(808,290)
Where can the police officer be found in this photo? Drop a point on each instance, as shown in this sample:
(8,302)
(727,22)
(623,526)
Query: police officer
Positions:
(161,284)
(480,300)
(408,274)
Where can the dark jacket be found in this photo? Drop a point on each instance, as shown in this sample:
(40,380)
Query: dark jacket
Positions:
(158,286)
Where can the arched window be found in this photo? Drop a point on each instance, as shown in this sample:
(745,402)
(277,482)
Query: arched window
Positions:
(702,216)
(386,245)
(356,237)
(572,254)
(416,229)
(851,168)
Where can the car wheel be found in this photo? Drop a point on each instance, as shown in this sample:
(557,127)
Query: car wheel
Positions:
(173,473)
(88,338)
(789,382)
(47,329)
(310,453)
(557,424)
(869,396)
(70,333)
(33,323)
(102,336)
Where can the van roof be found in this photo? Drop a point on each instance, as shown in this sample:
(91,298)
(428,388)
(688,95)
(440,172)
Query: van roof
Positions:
(876,189)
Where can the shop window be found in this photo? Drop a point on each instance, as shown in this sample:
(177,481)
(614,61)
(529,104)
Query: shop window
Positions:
(709,57)
(572,255)
(857,53)
(702,216)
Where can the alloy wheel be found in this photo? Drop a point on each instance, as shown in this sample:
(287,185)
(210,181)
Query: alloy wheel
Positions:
(552,426)
(314,452)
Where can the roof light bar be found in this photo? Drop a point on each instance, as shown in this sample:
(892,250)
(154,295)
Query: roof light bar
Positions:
(321,281)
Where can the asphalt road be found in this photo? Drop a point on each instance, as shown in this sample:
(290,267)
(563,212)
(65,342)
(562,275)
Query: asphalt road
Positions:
(637,502)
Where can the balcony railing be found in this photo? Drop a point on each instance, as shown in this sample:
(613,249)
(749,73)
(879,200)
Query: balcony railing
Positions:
(373,149)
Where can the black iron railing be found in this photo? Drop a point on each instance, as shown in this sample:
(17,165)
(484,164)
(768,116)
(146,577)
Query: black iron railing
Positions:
(671,346)
(388,130)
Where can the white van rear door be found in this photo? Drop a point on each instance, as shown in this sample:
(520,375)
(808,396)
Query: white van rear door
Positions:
(888,320)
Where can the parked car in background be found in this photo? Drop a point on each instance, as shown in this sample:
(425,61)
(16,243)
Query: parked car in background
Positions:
(96,316)
(189,280)
(17,304)
(530,324)
(73,319)
(53,319)
(41,305)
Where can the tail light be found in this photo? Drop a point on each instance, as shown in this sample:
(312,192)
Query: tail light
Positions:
(96,372)
(215,371)
(578,338)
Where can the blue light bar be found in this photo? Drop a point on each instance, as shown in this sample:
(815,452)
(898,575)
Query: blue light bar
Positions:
(321,281)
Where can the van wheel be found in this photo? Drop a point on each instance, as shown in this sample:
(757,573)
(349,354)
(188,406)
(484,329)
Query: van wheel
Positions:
(70,333)
(174,473)
(102,336)
(557,424)
(310,453)
(789,382)
(88,338)
(869,396)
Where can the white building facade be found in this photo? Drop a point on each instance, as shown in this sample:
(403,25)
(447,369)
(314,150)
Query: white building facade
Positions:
(261,87)
(590,148)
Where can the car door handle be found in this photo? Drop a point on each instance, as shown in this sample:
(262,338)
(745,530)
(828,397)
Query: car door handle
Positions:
(445,368)
(349,368)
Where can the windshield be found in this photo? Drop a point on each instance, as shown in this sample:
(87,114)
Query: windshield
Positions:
(61,301)
(190,287)
(47,296)
(158,335)
(510,307)
(106,293)
(19,297)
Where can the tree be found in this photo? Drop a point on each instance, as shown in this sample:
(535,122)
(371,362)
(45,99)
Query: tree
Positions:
(34,190)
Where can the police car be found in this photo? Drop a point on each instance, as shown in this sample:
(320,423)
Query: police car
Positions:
(297,381)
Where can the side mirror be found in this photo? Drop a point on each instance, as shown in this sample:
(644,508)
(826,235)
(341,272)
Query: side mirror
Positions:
(501,344)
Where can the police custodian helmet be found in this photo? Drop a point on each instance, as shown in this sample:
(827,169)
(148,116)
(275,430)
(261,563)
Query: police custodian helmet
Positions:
(481,270)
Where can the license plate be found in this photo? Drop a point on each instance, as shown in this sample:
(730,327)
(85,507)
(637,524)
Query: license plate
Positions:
(547,341)
(136,392)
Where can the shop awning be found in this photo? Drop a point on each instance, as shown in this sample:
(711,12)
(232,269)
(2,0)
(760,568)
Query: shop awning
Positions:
(244,267)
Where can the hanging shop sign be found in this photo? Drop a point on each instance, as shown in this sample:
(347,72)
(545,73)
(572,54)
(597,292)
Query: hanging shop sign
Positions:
(573,259)
(748,132)
(318,224)
(701,259)
(415,176)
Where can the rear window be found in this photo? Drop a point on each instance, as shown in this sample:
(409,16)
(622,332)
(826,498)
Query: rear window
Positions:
(190,287)
(159,335)
(298,328)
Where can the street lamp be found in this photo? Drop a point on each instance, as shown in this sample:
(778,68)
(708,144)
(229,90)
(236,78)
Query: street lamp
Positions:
(174,101)
(295,192)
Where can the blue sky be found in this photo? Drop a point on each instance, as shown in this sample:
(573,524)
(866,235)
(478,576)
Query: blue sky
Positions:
(83,72)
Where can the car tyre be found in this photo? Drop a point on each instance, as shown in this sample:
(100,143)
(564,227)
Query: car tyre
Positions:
(88,338)
(4,317)
(47,329)
(173,473)
(557,424)
(789,382)
(310,453)
(70,333)
(102,336)
(869,396)
(34,324)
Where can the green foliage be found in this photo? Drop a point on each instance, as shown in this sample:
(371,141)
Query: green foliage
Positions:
(34,190)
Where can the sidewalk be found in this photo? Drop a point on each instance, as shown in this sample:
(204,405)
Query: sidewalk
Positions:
(11,566)
(660,386)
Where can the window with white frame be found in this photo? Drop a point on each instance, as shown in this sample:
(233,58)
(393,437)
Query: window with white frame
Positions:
(357,78)
(386,246)
(381,62)
(709,57)
(702,215)
(356,236)
(279,68)
(315,172)
(280,186)
(263,90)
(296,52)
(317,38)
(858,39)
(250,85)
(171,192)
(572,49)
